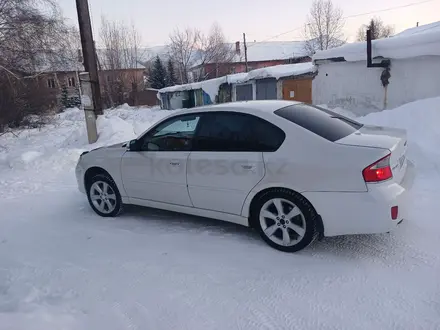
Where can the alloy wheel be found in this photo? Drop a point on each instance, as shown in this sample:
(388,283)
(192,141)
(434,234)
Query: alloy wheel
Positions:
(282,222)
(103,197)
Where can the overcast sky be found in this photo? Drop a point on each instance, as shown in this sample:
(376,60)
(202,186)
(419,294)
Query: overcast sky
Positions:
(260,19)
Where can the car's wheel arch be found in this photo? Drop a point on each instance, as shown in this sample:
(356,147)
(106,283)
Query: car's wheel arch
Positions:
(93,171)
(249,206)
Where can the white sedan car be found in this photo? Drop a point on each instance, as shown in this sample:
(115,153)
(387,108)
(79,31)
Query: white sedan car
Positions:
(292,171)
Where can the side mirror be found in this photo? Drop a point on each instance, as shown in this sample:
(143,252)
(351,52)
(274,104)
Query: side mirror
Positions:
(134,145)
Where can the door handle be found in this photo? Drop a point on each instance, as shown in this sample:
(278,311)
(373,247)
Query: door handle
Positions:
(248,167)
(174,163)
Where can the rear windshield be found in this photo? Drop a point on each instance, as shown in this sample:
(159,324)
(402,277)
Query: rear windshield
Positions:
(323,122)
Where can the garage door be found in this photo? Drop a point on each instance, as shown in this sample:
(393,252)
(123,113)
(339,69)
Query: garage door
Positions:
(298,90)
(244,92)
(267,89)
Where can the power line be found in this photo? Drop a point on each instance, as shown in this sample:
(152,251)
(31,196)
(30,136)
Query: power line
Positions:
(350,16)
(391,8)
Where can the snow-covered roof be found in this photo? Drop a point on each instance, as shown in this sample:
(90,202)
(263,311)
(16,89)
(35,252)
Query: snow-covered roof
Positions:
(261,51)
(211,86)
(432,27)
(280,71)
(58,61)
(272,50)
(419,41)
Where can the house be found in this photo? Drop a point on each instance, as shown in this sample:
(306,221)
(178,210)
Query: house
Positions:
(259,55)
(403,68)
(59,77)
(288,82)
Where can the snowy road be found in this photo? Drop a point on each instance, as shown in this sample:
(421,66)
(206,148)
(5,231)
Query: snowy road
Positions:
(63,267)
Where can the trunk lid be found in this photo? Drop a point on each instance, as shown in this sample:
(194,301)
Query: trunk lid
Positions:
(393,139)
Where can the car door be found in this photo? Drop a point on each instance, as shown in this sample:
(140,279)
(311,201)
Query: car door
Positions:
(158,171)
(227,159)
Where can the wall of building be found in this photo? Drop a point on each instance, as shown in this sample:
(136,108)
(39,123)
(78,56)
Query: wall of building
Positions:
(176,99)
(413,79)
(126,76)
(144,97)
(353,86)
(349,85)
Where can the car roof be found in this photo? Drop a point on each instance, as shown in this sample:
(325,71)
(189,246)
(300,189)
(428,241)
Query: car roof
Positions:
(244,106)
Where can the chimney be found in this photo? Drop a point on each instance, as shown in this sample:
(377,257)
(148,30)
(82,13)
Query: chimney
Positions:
(237,48)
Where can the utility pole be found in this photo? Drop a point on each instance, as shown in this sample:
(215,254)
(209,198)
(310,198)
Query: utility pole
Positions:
(89,79)
(245,52)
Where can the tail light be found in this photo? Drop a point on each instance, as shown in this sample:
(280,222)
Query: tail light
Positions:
(394,212)
(378,171)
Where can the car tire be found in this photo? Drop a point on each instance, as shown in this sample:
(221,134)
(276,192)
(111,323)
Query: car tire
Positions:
(104,196)
(285,220)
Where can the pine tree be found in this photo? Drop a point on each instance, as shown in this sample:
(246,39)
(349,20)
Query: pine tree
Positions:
(378,30)
(64,98)
(158,75)
(171,77)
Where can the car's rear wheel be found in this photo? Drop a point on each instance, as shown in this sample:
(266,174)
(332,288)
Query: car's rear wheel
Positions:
(103,196)
(285,219)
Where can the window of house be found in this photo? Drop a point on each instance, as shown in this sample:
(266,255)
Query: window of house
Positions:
(51,83)
(227,131)
(71,82)
(232,70)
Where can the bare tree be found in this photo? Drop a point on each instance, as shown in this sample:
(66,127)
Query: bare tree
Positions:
(324,26)
(181,49)
(121,60)
(213,48)
(30,34)
(191,47)
(378,30)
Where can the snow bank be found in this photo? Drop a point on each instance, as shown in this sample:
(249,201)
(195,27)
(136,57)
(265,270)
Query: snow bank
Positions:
(421,120)
(40,154)
(420,41)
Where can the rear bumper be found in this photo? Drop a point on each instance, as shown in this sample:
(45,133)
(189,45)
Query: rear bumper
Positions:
(346,213)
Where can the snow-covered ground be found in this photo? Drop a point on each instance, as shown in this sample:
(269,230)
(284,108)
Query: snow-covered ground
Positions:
(63,267)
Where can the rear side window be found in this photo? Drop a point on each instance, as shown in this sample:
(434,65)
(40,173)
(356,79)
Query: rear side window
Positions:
(228,131)
(323,122)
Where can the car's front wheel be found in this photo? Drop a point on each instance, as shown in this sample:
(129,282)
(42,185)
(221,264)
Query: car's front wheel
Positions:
(103,196)
(285,219)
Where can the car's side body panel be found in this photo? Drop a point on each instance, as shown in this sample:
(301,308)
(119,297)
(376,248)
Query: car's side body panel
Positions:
(156,175)
(192,211)
(109,159)
(220,181)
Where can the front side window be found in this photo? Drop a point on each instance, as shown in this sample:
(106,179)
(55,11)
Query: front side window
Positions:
(228,131)
(175,134)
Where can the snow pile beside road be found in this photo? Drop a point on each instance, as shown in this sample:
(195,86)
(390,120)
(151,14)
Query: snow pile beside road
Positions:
(41,154)
(421,120)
